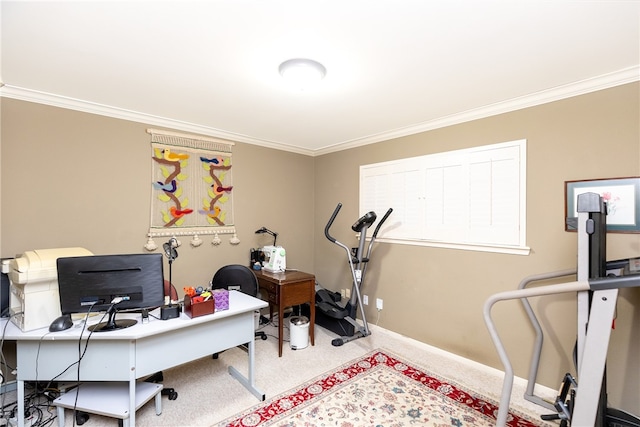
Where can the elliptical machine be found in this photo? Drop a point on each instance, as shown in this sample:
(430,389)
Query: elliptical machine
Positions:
(330,313)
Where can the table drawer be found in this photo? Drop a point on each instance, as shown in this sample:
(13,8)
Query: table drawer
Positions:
(271,289)
(269,286)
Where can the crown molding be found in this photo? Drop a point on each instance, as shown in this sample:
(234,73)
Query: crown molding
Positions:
(606,81)
(624,76)
(23,94)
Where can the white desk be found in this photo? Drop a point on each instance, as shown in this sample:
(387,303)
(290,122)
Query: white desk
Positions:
(135,352)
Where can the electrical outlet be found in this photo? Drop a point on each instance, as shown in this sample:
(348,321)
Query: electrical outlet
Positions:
(365,299)
(379,303)
(343,293)
(347,292)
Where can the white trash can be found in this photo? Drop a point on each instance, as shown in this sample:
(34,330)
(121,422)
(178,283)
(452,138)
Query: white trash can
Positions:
(299,332)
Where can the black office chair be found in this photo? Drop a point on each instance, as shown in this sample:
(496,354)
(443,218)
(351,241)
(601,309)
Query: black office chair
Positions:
(238,277)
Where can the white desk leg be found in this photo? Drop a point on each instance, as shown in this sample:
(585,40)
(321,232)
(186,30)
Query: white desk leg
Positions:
(252,359)
(132,384)
(159,403)
(248,383)
(132,403)
(20,387)
(60,412)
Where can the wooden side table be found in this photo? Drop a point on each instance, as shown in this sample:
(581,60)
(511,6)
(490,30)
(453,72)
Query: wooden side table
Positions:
(287,289)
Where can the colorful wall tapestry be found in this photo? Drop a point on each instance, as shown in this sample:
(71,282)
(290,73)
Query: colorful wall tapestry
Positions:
(191,186)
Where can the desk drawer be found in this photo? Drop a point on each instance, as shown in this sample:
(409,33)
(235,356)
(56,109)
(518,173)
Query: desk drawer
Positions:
(272,290)
(272,298)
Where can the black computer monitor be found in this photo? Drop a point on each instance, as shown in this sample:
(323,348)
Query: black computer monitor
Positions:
(110,283)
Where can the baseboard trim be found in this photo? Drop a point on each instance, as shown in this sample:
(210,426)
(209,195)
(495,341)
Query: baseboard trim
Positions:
(542,391)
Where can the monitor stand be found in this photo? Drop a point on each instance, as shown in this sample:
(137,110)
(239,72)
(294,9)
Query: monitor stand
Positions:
(112,324)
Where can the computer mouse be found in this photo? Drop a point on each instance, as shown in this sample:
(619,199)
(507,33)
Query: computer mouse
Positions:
(61,323)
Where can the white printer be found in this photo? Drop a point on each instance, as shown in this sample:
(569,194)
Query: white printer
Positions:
(34,301)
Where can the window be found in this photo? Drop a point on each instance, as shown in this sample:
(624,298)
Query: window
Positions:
(467,199)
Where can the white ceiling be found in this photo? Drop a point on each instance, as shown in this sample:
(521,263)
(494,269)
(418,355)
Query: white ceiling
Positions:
(394,67)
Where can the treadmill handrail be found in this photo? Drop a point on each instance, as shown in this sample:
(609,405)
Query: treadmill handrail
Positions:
(507,385)
(529,393)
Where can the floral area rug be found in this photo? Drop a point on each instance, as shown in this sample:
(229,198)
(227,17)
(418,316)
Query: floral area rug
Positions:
(378,390)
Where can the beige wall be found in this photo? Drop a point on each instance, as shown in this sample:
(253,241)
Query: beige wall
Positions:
(437,295)
(76,179)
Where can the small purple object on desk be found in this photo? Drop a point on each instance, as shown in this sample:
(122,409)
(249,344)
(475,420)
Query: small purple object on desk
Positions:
(221,297)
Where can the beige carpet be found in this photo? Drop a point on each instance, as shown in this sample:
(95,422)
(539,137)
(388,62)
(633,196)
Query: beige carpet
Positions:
(207,394)
(378,389)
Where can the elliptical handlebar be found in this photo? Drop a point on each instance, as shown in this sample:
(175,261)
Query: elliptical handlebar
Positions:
(367,219)
(384,218)
(330,223)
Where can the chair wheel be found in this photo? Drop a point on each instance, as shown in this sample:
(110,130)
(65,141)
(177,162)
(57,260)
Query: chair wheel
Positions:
(264,338)
(81,417)
(171,393)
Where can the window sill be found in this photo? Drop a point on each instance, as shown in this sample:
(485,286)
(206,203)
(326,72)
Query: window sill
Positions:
(503,249)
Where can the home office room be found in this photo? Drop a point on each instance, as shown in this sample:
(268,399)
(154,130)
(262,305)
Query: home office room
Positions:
(82,154)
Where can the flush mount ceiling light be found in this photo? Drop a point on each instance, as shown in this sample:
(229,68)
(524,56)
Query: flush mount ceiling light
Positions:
(302,72)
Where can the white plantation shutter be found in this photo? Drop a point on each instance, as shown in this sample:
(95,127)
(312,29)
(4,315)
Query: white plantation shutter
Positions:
(472,199)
